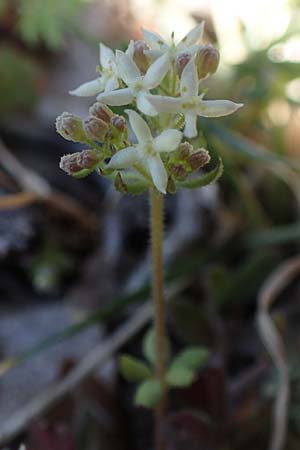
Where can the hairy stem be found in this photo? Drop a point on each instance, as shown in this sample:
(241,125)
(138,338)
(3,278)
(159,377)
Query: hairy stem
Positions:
(156,212)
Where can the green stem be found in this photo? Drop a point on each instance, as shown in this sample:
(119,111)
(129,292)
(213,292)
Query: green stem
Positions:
(156,211)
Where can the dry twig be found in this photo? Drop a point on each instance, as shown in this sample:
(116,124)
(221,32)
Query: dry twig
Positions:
(36,188)
(274,344)
(18,421)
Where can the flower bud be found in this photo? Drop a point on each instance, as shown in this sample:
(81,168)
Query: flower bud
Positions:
(69,163)
(184,150)
(101,111)
(88,159)
(199,159)
(79,162)
(139,56)
(207,60)
(181,61)
(70,127)
(178,171)
(118,122)
(95,128)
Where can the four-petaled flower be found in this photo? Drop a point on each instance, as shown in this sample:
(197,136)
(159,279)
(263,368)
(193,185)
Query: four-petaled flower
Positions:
(108,79)
(138,84)
(190,103)
(147,151)
(158,46)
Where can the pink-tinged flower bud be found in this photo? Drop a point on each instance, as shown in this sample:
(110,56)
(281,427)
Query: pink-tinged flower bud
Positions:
(139,56)
(101,111)
(69,163)
(88,159)
(118,122)
(185,149)
(70,127)
(178,171)
(207,60)
(181,61)
(79,162)
(95,128)
(199,159)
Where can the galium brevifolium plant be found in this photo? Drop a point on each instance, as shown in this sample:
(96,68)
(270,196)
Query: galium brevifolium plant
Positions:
(159,84)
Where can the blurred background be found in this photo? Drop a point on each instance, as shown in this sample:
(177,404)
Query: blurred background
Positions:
(74,260)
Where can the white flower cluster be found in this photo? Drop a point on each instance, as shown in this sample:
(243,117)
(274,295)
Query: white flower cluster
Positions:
(147,76)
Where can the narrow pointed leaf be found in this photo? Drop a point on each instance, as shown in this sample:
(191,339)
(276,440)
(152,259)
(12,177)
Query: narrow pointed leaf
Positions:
(203,180)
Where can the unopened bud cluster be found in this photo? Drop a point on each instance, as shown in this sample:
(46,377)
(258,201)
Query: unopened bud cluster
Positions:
(101,126)
(80,163)
(207,61)
(187,160)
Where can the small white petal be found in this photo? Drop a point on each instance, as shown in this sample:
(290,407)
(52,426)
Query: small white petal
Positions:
(167,141)
(157,71)
(153,54)
(189,82)
(193,36)
(127,68)
(139,126)
(107,56)
(190,50)
(111,84)
(124,159)
(116,98)
(164,103)
(158,173)
(89,88)
(190,129)
(217,108)
(153,39)
(144,106)
(130,49)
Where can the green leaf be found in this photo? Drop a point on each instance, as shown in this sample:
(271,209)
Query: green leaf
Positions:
(20,76)
(3,5)
(82,173)
(148,394)
(203,180)
(135,183)
(245,146)
(193,358)
(149,346)
(133,369)
(280,234)
(180,376)
(46,21)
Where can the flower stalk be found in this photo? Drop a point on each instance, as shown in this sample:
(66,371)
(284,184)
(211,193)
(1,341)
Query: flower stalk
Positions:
(156,217)
(162,80)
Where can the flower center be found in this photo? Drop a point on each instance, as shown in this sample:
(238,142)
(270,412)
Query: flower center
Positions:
(137,85)
(148,150)
(190,104)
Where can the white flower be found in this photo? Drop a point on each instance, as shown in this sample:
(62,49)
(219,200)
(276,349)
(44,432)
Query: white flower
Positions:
(147,151)
(158,46)
(190,103)
(108,79)
(138,84)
